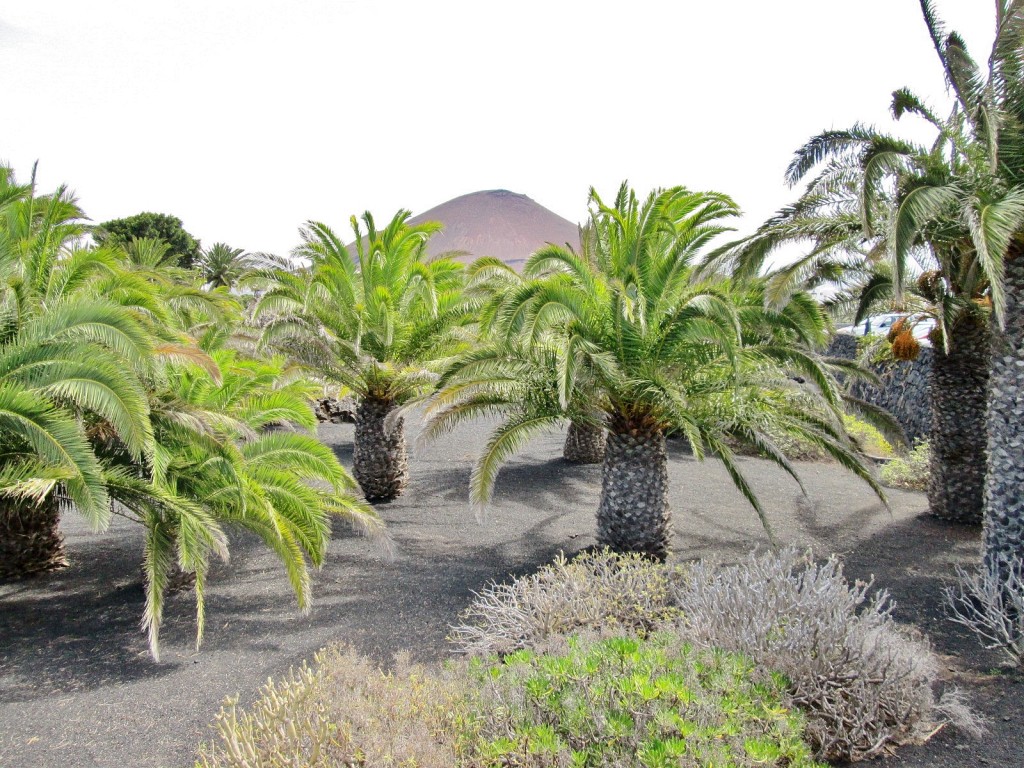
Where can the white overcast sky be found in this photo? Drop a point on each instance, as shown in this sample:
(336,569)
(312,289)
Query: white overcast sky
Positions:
(245,119)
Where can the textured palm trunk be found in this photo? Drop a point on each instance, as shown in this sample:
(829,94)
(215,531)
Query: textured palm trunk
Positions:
(633,513)
(380,460)
(584,443)
(30,538)
(1004,481)
(958,390)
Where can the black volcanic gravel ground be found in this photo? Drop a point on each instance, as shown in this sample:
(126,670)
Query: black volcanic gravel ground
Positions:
(78,688)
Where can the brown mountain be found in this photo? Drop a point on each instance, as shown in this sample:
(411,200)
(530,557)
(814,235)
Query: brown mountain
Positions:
(497,223)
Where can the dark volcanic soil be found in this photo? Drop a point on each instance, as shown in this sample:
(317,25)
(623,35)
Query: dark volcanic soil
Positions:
(77,686)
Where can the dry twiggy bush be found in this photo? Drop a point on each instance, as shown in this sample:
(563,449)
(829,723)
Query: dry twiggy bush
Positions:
(344,711)
(990,602)
(864,683)
(598,593)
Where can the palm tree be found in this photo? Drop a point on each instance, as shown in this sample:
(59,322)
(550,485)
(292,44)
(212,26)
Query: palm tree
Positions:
(220,462)
(378,322)
(496,284)
(920,229)
(222,266)
(999,109)
(68,362)
(655,348)
(54,379)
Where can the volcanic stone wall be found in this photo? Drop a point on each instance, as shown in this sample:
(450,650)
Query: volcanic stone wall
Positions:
(904,390)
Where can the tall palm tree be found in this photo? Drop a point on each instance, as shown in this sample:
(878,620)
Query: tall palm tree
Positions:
(922,229)
(377,318)
(653,347)
(999,100)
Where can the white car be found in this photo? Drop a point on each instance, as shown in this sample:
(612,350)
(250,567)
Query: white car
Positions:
(880,324)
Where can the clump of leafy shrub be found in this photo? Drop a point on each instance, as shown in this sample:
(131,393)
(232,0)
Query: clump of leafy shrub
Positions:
(596,592)
(867,437)
(675,666)
(628,702)
(989,601)
(910,471)
(345,711)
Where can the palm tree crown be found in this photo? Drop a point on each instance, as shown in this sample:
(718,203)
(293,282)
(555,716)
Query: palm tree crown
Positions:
(636,332)
(376,318)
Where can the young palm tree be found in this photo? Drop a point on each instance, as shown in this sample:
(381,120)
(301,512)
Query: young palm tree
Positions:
(496,284)
(653,348)
(217,465)
(222,266)
(377,322)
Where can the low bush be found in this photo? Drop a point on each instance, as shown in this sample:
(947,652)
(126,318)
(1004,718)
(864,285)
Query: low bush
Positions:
(910,471)
(868,439)
(863,682)
(629,702)
(596,592)
(344,711)
(769,662)
(619,701)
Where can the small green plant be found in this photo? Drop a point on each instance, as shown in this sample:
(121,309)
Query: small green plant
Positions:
(867,438)
(910,471)
(624,701)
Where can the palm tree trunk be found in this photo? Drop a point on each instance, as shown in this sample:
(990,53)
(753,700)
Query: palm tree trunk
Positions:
(30,537)
(380,460)
(1004,481)
(958,390)
(584,443)
(633,513)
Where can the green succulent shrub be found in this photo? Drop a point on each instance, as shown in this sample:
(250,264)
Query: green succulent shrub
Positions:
(910,471)
(624,701)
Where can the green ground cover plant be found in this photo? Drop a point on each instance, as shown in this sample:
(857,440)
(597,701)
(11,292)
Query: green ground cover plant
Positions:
(627,701)
(910,471)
